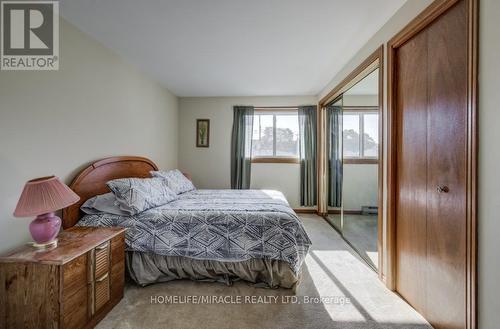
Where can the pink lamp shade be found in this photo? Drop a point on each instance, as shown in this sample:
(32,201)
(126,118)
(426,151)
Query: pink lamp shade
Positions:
(41,197)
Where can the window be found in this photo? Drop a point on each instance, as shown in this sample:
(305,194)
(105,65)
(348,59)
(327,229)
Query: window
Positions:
(360,135)
(275,136)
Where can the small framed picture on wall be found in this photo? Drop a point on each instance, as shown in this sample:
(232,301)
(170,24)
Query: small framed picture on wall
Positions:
(202,132)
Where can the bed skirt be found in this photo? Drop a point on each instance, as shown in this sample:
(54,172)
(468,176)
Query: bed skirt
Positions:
(147,268)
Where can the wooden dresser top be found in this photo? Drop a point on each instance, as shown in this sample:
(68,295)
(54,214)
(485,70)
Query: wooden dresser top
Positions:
(72,243)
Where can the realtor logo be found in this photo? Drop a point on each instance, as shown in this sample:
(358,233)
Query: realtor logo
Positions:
(29,35)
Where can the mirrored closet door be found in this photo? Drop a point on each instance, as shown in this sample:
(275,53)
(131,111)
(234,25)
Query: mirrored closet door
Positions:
(351,150)
(333,113)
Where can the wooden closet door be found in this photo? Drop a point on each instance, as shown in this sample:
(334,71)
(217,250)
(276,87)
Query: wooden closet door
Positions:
(431,100)
(446,169)
(411,242)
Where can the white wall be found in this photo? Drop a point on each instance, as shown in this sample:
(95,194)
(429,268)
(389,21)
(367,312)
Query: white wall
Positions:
(284,177)
(489,160)
(56,122)
(489,135)
(210,167)
(360,186)
(360,100)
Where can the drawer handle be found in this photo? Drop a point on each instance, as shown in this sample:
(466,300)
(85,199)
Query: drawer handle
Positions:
(101,247)
(102,278)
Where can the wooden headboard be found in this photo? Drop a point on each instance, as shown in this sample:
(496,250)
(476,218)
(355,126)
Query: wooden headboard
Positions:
(92,181)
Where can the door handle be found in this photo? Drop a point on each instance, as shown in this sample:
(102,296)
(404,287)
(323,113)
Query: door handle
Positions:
(443,189)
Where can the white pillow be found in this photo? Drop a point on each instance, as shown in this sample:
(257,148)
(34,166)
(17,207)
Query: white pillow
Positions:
(175,180)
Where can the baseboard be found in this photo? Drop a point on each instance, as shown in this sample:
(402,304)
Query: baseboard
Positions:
(305,211)
(346,212)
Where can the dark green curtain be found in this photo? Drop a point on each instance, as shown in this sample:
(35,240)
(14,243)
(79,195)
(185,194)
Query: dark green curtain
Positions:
(308,155)
(334,151)
(241,147)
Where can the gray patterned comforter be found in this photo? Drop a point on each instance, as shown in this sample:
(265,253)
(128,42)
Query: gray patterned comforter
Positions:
(220,225)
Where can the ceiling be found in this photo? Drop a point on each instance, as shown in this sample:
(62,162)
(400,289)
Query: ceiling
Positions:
(234,47)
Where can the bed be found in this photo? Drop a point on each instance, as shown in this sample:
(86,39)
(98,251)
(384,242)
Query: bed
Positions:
(205,235)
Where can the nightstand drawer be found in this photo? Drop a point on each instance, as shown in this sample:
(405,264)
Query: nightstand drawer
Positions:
(118,248)
(75,275)
(102,291)
(117,266)
(117,279)
(102,259)
(75,309)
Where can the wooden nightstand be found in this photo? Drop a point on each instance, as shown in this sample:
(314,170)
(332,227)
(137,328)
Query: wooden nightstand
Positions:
(72,286)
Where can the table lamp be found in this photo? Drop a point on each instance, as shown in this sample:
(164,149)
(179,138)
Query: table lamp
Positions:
(40,198)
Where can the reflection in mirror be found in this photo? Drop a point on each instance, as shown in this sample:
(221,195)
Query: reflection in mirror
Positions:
(352,140)
(334,166)
(360,169)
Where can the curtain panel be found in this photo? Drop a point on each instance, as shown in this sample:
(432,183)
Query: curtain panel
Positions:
(241,147)
(334,140)
(308,155)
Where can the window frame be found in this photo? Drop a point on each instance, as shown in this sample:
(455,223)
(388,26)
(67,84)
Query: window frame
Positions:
(275,158)
(361,112)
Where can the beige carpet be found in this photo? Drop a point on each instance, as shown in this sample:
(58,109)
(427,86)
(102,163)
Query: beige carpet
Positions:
(331,271)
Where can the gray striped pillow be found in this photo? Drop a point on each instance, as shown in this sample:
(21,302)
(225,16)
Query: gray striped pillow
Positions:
(135,195)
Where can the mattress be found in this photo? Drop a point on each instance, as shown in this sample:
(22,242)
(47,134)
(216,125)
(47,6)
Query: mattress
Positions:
(216,225)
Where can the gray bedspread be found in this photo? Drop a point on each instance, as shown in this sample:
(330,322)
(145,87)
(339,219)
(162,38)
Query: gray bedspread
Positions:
(220,225)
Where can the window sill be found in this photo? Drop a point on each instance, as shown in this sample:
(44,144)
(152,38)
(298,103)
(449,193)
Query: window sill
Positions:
(275,160)
(360,161)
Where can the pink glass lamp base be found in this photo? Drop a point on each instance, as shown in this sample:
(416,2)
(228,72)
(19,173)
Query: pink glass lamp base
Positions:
(44,229)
